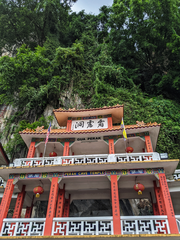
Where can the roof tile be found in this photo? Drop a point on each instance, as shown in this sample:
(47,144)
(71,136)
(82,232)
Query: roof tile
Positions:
(83,110)
(41,130)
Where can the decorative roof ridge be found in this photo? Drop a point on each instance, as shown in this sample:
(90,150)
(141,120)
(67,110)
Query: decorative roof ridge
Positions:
(115,128)
(88,109)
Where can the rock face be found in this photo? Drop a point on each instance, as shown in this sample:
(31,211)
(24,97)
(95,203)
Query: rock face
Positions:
(40,209)
(95,208)
(87,208)
(49,112)
(128,207)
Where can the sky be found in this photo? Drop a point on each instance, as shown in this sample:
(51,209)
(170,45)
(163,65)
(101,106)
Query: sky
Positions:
(90,6)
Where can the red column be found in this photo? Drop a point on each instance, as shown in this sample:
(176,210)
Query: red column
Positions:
(159,200)
(31,151)
(69,123)
(60,203)
(155,209)
(18,207)
(168,204)
(115,205)
(29,210)
(111,146)
(19,203)
(66,207)
(149,147)
(60,206)
(51,206)
(66,151)
(110,124)
(6,200)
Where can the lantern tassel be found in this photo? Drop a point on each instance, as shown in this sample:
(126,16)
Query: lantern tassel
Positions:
(37,195)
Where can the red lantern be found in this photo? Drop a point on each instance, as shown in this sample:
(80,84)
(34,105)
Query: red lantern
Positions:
(129,149)
(38,191)
(53,154)
(138,187)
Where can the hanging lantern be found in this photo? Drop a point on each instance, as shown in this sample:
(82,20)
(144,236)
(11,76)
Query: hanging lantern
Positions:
(53,154)
(139,188)
(38,191)
(129,149)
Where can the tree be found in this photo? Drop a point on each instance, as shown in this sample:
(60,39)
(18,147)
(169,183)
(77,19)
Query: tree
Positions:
(31,80)
(32,21)
(140,37)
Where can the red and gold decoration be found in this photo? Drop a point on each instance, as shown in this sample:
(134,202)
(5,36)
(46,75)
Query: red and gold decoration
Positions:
(129,149)
(53,154)
(38,191)
(139,188)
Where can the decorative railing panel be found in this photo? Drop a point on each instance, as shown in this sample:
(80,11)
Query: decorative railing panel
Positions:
(86,159)
(87,226)
(137,157)
(83,226)
(37,161)
(79,159)
(23,227)
(144,225)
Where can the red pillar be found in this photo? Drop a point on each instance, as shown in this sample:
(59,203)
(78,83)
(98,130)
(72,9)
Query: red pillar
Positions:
(69,123)
(149,147)
(110,124)
(60,203)
(51,206)
(168,204)
(159,199)
(66,207)
(19,203)
(31,151)
(29,210)
(155,209)
(115,205)
(6,200)
(111,146)
(66,151)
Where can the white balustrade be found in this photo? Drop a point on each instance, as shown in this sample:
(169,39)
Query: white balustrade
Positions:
(137,157)
(87,226)
(37,161)
(178,221)
(23,227)
(144,225)
(79,159)
(83,226)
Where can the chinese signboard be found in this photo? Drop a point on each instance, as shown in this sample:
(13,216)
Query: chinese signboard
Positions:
(89,124)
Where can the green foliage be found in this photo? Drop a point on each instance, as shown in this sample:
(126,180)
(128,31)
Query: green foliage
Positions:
(144,39)
(31,22)
(16,144)
(30,80)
